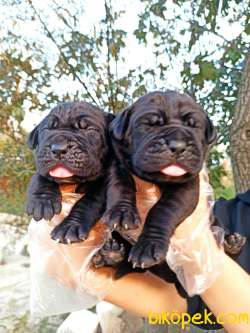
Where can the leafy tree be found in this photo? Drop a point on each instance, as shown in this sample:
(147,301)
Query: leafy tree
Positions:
(211,63)
(20,85)
(49,54)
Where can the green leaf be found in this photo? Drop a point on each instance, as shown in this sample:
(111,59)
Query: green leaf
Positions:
(208,71)
(140,35)
(158,9)
(139,91)
(247,29)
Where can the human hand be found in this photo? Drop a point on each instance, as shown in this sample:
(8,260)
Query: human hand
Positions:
(195,248)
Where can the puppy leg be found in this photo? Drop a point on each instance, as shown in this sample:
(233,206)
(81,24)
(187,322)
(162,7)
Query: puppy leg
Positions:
(85,213)
(114,253)
(121,203)
(176,203)
(44,198)
(233,244)
(111,254)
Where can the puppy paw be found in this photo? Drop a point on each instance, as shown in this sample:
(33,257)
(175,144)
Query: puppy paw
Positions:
(122,216)
(111,254)
(234,243)
(146,253)
(44,206)
(70,231)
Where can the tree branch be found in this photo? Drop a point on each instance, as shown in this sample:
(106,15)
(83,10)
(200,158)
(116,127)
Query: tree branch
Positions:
(62,54)
(10,135)
(109,27)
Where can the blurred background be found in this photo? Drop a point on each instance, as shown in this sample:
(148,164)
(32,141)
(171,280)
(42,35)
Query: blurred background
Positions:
(110,52)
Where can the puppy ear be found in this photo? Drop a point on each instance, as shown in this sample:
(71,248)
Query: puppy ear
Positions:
(191,94)
(109,117)
(211,133)
(32,140)
(120,124)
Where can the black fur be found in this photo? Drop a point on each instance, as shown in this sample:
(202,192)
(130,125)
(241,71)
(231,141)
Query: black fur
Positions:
(74,135)
(158,130)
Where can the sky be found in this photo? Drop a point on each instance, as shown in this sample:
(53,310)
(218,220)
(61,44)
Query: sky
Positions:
(135,54)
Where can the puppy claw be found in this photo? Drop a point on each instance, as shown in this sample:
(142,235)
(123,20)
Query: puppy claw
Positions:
(57,240)
(68,241)
(123,216)
(134,265)
(147,252)
(111,254)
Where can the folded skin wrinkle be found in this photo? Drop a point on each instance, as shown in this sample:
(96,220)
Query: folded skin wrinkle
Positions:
(65,154)
(162,138)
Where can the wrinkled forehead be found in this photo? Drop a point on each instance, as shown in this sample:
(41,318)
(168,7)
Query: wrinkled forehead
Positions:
(74,110)
(171,103)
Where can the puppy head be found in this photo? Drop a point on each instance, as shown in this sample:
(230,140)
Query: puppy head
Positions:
(71,142)
(163,137)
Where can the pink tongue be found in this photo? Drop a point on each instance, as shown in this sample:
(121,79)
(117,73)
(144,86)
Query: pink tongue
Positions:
(174,171)
(60,172)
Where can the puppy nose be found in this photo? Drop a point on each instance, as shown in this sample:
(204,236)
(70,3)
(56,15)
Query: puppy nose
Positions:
(59,148)
(177,146)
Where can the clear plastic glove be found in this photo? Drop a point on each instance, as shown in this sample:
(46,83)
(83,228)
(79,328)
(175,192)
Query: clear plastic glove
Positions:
(62,276)
(62,279)
(195,251)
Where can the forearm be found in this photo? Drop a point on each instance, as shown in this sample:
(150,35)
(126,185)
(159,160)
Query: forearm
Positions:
(142,293)
(227,293)
(120,186)
(226,290)
(230,294)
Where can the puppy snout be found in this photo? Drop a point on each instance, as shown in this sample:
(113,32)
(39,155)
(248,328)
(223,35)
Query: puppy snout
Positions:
(177,146)
(59,149)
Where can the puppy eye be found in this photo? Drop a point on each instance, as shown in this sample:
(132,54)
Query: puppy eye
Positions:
(190,122)
(53,123)
(155,120)
(81,124)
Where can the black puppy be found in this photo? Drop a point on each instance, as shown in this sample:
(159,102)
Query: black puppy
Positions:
(71,147)
(162,138)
